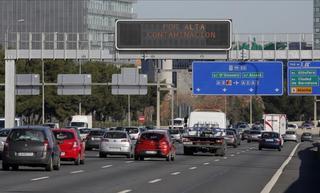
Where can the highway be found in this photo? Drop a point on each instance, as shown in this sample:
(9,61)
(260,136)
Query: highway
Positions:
(242,169)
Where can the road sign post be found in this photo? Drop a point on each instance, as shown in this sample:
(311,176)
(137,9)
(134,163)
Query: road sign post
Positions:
(237,78)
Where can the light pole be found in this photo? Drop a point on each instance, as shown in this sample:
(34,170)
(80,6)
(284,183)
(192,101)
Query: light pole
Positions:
(8,27)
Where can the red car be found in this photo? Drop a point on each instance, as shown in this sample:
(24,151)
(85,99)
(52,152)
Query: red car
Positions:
(71,145)
(155,143)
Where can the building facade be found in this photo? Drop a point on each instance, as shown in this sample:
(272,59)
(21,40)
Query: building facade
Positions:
(316,23)
(70,16)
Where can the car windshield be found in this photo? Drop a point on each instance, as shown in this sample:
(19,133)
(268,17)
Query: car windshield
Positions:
(152,136)
(115,135)
(97,133)
(77,124)
(306,134)
(270,135)
(290,132)
(230,133)
(174,131)
(63,135)
(132,130)
(27,135)
(84,131)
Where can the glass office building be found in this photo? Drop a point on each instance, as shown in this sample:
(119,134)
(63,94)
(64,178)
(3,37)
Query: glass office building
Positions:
(71,16)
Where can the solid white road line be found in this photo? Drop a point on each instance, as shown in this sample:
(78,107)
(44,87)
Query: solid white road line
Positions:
(76,172)
(155,181)
(207,163)
(192,168)
(41,178)
(175,173)
(276,176)
(107,166)
(125,191)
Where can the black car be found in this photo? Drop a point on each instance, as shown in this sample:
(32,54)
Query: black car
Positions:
(33,146)
(270,140)
(238,135)
(94,138)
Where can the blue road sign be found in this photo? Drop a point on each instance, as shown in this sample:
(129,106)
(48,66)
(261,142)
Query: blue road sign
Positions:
(237,78)
(303,78)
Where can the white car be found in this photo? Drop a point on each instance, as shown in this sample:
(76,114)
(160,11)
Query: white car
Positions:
(3,137)
(134,132)
(115,143)
(290,136)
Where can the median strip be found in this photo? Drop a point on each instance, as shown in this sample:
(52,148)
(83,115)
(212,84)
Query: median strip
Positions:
(41,178)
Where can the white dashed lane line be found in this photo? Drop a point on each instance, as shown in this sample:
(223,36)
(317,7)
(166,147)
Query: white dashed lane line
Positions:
(128,162)
(192,168)
(225,157)
(216,160)
(107,166)
(41,178)
(125,191)
(232,155)
(238,153)
(155,181)
(207,163)
(76,172)
(175,173)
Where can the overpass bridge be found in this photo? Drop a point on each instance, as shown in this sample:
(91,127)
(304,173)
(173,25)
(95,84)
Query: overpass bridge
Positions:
(284,46)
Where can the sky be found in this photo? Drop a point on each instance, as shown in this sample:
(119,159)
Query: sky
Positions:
(248,16)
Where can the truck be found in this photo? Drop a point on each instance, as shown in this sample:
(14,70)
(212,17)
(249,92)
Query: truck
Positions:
(276,123)
(206,133)
(81,121)
(178,123)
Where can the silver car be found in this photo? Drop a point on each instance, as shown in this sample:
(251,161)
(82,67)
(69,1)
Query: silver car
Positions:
(290,136)
(115,143)
(3,137)
(254,135)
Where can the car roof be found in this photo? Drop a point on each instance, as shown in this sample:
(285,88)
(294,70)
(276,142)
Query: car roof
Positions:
(116,131)
(65,130)
(37,127)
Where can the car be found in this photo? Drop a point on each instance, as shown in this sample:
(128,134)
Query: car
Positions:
(84,132)
(307,125)
(238,135)
(155,143)
(254,135)
(176,135)
(33,146)
(134,132)
(71,146)
(115,143)
(94,138)
(270,140)
(51,125)
(290,136)
(231,138)
(245,134)
(292,126)
(306,136)
(3,137)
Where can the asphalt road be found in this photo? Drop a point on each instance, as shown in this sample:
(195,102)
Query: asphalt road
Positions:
(243,169)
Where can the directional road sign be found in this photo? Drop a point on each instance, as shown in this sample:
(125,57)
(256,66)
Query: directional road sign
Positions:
(303,78)
(237,78)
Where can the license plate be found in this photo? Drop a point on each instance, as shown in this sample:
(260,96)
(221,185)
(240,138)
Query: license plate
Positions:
(187,143)
(269,140)
(151,152)
(27,154)
(63,153)
(97,139)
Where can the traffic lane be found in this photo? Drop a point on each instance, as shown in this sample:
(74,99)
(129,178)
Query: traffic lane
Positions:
(302,174)
(247,172)
(98,177)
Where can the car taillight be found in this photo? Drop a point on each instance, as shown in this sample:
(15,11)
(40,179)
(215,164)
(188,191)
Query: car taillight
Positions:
(45,144)
(75,144)
(219,141)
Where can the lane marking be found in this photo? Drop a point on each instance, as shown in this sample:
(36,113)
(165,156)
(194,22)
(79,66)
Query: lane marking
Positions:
(76,172)
(216,160)
(41,178)
(247,150)
(243,151)
(128,162)
(251,147)
(125,191)
(155,181)
(175,173)
(225,157)
(107,166)
(232,155)
(207,163)
(147,158)
(276,176)
(238,153)
(192,168)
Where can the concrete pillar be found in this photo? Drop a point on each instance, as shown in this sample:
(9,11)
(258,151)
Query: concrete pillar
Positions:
(10,93)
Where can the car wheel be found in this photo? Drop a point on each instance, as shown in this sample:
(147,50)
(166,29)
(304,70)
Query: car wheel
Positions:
(141,158)
(128,155)
(168,157)
(136,157)
(102,155)
(279,149)
(302,141)
(15,167)
(5,166)
(82,161)
(77,161)
(235,145)
(173,156)
(249,141)
(260,148)
(58,165)
(49,166)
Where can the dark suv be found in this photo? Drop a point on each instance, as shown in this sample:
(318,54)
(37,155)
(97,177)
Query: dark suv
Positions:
(33,146)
